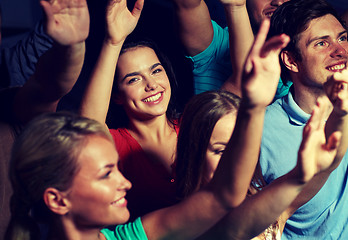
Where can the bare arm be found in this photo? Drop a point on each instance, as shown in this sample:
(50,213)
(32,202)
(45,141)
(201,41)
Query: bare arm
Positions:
(337,92)
(241,38)
(194,25)
(315,156)
(59,68)
(231,180)
(120,23)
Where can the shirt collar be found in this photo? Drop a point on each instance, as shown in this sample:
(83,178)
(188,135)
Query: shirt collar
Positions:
(296,114)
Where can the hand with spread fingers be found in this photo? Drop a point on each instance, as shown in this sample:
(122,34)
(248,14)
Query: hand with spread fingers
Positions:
(120,21)
(316,154)
(67,20)
(262,69)
(337,91)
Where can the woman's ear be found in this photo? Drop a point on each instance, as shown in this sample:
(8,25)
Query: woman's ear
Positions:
(56,201)
(289,61)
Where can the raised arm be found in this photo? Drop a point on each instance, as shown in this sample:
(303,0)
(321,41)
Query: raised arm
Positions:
(194,25)
(19,62)
(59,68)
(120,22)
(336,89)
(274,202)
(231,180)
(241,38)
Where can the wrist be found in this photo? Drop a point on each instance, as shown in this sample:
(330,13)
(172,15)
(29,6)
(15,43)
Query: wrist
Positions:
(250,108)
(112,43)
(233,7)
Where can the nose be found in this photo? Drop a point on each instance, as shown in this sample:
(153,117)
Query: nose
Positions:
(339,51)
(277,3)
(123,183)
(151,84)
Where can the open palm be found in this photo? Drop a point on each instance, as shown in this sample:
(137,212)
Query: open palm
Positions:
(316,154)
(67,20)
(120,21)
(262,69)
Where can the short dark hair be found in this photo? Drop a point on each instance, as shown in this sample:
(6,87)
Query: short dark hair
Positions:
(293,18)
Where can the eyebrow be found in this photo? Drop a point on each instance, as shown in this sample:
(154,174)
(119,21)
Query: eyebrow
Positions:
(110,165)
(324,37)
(138,73)
(220,143)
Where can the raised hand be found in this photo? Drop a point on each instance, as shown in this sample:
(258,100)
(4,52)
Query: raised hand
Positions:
(120,21)
(337,90)
(67,20)
(316,154)
(262,69)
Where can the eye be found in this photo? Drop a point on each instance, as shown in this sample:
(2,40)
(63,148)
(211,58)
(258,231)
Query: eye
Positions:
(132,80)
(321,44)
(157,70)
(219,151)
(343,38)
(106,175)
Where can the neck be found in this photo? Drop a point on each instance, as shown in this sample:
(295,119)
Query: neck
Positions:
(68,230)
(155,128)
(306,97)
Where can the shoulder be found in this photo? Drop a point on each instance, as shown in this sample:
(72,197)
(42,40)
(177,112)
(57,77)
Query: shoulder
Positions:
(132,230)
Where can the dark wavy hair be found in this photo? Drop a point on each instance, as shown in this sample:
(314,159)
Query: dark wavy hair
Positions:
(293,18)
(116,112)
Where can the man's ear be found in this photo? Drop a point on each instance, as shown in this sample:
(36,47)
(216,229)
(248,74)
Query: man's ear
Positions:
(56,201)
(289,61)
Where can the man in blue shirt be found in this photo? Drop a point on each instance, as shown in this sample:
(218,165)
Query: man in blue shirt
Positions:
(315,61)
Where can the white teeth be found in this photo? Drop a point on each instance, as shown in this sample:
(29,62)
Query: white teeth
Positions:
(121,201)
(153,98)
(337,67)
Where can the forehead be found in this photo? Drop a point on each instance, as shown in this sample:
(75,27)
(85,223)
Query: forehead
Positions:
(132,57)
(97,153)
(223,128)
(327,25)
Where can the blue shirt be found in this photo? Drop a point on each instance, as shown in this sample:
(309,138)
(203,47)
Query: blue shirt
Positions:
(18,63)
(325,216)
(212,67)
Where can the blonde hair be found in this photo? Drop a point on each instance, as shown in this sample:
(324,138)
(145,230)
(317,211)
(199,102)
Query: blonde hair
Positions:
(43,156)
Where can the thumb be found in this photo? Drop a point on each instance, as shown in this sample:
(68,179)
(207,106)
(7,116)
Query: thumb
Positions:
(47,9)
(138,7)
(333,141)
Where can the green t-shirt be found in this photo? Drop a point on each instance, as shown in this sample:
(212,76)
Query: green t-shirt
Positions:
(133,230)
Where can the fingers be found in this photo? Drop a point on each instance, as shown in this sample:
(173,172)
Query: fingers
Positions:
(275,44)
(334,141)
(257,46)
(336,89)
(47,9)
(138,7)
(261,37)
(317,119)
